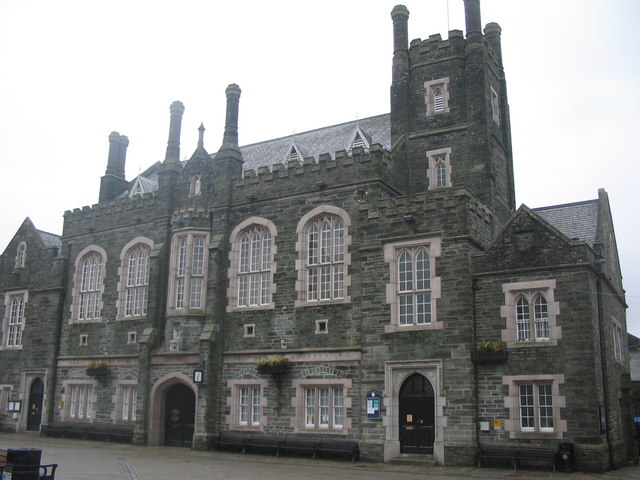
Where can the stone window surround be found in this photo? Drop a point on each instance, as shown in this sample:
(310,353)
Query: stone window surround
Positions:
(77,279)
(301,249)
(508,312)
(21,255)
(297,402)
(512,403)
(191,234)
(618,340)
(5,394)
(116,413)
(233,402)
(322,326)
(429,90)
(66,387)
(7,313)
(434,246)
(84,340)
(249,330)
(234,263)
(122,276)
(433,156)
(395,373)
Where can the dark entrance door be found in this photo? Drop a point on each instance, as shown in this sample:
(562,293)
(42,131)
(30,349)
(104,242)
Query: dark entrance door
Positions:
(417,415)
(34,412)
(179,416)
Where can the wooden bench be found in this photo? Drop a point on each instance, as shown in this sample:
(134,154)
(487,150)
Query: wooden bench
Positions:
(538,455)
(517,453)
(90,431)
(337,447)
(314,446)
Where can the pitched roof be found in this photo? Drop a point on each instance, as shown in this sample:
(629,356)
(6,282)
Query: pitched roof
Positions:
(576,220)
(50,239)
(315,142)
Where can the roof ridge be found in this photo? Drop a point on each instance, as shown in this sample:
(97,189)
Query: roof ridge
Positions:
(560,205)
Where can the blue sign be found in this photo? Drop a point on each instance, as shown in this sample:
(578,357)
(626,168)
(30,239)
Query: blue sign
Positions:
(373,405)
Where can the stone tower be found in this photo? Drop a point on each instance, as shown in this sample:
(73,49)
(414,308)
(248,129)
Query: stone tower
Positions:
(449,111)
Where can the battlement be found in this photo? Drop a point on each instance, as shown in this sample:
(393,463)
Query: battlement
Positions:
(434,48)
(343,167)
(121,211)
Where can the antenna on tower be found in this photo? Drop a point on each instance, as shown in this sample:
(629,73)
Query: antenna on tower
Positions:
(448,28)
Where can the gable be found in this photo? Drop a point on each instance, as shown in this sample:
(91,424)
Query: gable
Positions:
(528,241)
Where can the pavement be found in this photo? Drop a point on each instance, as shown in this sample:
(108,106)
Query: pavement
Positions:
(88,460)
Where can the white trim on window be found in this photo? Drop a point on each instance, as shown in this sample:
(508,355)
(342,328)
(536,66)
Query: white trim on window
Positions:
(530,312)
(252,265)
(133,279)
(323,257)
(188,271)
(322,405)
(413,289)
(534,404)
(13,324)
(79,398)
(126,401)
(88,285)
(247,402)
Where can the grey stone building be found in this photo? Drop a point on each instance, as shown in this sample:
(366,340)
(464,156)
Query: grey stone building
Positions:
(378,268)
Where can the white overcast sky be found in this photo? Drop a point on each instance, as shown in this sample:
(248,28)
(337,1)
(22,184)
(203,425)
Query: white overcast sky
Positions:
(73,71)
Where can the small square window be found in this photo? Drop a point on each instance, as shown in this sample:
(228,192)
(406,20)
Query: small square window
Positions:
(132,337)
(249,330)
(84,340)
(322,326)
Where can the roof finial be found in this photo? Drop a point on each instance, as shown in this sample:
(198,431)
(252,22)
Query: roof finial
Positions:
(201,130)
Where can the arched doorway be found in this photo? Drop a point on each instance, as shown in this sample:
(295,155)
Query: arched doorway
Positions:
(34,409)
(179,416)
(416,415)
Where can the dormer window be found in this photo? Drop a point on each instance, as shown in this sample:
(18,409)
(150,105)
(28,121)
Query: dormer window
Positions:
(359,140)
(293,155)
(141,186)
(195,187)
(137,188)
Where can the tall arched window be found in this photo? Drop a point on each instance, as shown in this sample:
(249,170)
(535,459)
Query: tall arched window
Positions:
(137,281)
(325,258)
(438,100)
(252,265)
(414,286)
(254,268)
(90,292)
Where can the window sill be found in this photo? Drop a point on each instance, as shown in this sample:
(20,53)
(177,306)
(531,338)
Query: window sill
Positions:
(393,328)
(251,308)
(317,303)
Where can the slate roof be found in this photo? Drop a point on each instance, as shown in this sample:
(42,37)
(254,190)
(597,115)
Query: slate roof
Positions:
(314,142)
(50,239)
(576,220)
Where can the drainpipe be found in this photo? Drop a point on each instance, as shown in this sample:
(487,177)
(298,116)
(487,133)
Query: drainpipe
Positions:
(474,342)
(603,357)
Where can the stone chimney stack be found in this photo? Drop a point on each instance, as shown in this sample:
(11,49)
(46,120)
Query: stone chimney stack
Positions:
(230,139)
(400,73)
(113,182)
(173,145)
(473,20)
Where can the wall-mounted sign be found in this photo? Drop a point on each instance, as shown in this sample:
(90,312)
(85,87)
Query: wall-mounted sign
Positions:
(373,405)
(197,376)
(15,406)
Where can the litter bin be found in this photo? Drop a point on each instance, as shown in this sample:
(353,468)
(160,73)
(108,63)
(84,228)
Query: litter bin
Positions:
(22,464)
(565,457)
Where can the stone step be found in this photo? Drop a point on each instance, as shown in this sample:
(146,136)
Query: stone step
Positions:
(415,460)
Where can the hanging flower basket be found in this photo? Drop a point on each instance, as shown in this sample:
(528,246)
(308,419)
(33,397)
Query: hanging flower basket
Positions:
(277,366)
(489,352)
(97,370)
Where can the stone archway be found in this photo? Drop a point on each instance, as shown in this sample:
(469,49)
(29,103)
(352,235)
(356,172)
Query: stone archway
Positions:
(164,387)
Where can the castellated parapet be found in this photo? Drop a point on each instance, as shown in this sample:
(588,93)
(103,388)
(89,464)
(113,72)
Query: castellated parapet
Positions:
(344,167)
(434,49)
(116,213)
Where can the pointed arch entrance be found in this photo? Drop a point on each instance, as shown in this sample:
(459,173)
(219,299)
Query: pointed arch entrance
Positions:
(34,409)
(416,408)
(172,412)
